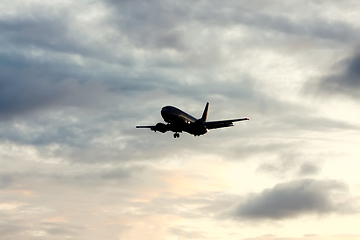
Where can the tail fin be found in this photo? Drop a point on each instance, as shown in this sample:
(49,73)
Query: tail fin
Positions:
(205,113)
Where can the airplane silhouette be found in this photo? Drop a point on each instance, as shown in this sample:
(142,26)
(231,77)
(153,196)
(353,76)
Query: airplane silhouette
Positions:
(179,121)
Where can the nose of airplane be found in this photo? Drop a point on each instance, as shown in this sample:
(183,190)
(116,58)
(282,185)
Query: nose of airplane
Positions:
(165,112)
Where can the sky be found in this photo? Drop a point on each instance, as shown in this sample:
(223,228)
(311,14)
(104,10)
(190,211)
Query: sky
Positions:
(76,77)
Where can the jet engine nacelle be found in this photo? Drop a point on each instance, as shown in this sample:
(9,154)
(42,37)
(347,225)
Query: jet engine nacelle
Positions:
(200,128)
(161,127)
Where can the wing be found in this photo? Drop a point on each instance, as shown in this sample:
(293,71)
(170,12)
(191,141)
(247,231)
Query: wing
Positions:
(158,127)
(223,123)
(151,127)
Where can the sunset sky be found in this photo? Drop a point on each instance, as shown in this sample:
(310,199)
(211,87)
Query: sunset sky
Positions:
(76,77)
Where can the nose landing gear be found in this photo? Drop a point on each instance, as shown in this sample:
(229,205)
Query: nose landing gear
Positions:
(176,135)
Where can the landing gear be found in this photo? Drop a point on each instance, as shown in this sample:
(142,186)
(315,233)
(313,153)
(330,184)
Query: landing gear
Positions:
(176,135)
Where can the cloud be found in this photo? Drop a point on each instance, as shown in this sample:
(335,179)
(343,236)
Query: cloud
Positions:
(56,72)
(293,199)
(61,229)
(289,162)
(38,31)
(308,168)
(165,25)
(76,77)
(307,237)
(345,82)
(28,85)
(5,180)
(88,177)
(9,230)
(149,25)
(186,232)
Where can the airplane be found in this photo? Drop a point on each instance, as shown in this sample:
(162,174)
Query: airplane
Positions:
(179,121)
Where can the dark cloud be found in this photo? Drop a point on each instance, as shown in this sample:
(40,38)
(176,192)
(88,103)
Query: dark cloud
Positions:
(28,85)
(293,199)
(152,24)
(167,25)
(308,168)
(305,28)
(286,162)
(61,229)
(290,162)
(88,177)
(345,82)
(9,230)
(36,31)
(28,97)
(5,180)
(49,34)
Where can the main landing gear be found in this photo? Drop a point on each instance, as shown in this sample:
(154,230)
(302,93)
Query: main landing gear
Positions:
(176,135)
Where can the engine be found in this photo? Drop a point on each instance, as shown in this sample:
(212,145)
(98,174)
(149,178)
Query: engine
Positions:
(161,127)
(200,128)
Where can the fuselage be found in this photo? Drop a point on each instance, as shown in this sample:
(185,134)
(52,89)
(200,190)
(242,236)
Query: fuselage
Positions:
(181,121)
